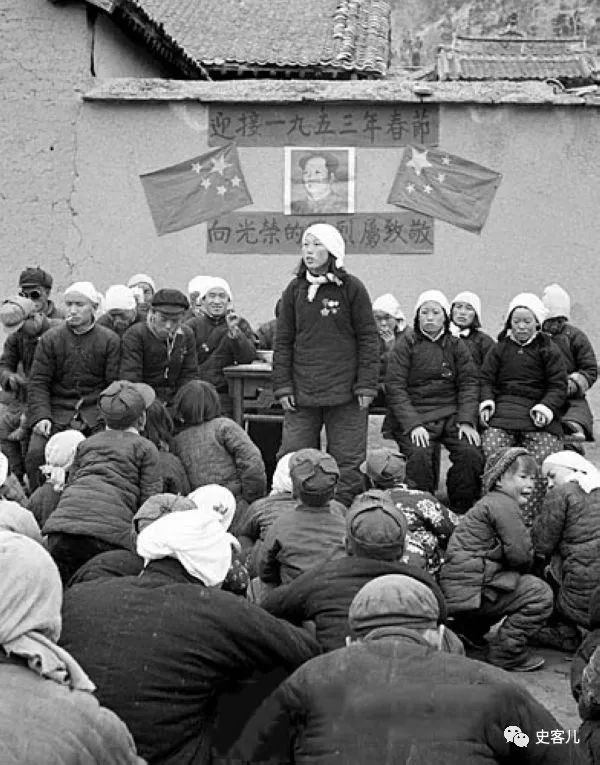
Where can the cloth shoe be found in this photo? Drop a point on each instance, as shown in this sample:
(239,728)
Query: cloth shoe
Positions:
(526,662)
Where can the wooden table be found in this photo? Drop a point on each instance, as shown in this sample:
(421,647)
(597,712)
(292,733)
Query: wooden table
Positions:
(251,391)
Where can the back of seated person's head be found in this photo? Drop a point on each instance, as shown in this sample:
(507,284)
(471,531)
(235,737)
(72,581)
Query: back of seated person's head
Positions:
(396,600)
(123,404)
(314,477)
(196,402)
(156,507)
(159,425)
(375,527)
(384,468)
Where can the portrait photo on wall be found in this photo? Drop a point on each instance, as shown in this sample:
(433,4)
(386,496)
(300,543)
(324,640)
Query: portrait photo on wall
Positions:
(319,180)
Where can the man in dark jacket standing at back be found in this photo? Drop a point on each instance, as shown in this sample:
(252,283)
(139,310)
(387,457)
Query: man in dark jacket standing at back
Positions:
(375,538)
(73,362)
(161,351)
(394,697)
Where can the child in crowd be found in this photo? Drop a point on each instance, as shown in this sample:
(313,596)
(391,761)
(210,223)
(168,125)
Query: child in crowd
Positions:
(430,524)
(567,534)
(60,453)
(485,575)
(159,429)
(297,541)
(262,512)
(113,473)
(580,360)
(222,337)
(432,394)
(523,390)
(325,365)
(465,314)
(215,449)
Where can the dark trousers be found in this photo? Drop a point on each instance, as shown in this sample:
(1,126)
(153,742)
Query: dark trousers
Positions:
(346,433)
(526,608)
(463,481)
(71,551)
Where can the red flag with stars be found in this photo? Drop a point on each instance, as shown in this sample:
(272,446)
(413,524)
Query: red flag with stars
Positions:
(445,186)
(197,190)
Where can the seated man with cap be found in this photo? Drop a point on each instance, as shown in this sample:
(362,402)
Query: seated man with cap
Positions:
(161,351)
(222,337)
(36,284)
(113,473)
(375,537)
(24,325)
(430,524)
(314,531)
(73,362)
(393,696)
(120,309)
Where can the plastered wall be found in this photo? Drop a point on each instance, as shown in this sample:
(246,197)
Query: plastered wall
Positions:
(72,200)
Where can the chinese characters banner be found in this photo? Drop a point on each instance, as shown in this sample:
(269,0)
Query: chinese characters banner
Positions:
(341,124)
(270,233)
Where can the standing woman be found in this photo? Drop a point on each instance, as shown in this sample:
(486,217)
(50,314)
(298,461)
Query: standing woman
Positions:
(326,357)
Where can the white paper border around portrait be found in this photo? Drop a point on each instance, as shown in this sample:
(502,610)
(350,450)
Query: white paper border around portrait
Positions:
(349,151)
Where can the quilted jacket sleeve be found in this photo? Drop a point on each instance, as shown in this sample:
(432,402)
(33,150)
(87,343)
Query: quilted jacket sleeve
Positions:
(489,374)
(396,385)
(548,526)
(132,356)
(367,341)
(283,357)
(555,394)
(43,370)
(585,358)
(467,381)
(248,460)
(514,537)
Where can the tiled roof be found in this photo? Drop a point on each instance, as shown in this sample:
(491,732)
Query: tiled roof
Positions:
(515,58)
(335,37)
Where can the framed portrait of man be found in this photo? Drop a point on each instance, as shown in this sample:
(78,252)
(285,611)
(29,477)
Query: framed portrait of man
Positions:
(319,181)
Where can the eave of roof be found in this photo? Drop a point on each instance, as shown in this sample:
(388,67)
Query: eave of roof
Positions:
(294,91)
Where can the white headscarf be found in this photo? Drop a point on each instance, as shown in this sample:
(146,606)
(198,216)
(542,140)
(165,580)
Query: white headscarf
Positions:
(141,279)
(215,498)
(388,304)
(197,285)
(530,301)
(197,540)
(17,519)
(60,453)
(282,482)
(556,301)
(434,296)
(30,603)
(215,282)
(119,298)
(331,239)
(3,468)
(86,290)
(472,299)
(584,473)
